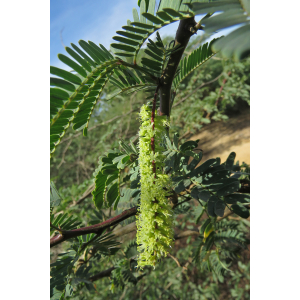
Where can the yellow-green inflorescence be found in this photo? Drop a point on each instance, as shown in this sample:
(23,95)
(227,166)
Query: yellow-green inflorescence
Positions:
(155,218)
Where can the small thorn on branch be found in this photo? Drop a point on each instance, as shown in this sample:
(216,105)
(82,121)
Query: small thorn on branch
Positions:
(58,229)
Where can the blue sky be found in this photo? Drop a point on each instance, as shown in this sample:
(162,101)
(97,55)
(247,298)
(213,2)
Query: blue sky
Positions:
(94,20)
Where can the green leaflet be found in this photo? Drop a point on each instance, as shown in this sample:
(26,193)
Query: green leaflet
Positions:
(203,226)
(224,20)
(228,241)
(98,192)
(79,59)
(74,103)
(174,4)
(125,40)
(107,176)
(58,93)
(204,8)
(211,205)
(200,194)
(86,57)
(202,168)
(91,51)
(219,208)
(195,162)
(214,176)
(65,75)
(208,230)
(85,111)
(130,35)
(147,22)
(173,12)
(235,44)
(128,81)
(62,84)
(240,210)
(188,145)
(122,47)
(153,19)
(64,221)
(229,188)
(69,62)
(55,197)
(233,198)
(231,13)
(112,194)
(164,16)
(135,29)
(197,58)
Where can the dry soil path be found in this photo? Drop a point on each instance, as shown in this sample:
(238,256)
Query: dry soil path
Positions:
(219,139)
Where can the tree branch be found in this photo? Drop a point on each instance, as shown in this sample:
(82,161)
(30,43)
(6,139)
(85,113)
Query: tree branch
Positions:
(179,203)
(97,125)
(86,194)
(97,228)
(132,227)
(102,274)
(196,89)
(184,32)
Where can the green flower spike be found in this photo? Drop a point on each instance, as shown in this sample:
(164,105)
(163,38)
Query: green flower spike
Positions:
(155,220)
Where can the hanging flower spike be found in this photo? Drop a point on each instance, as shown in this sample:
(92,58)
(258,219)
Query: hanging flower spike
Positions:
(155,220)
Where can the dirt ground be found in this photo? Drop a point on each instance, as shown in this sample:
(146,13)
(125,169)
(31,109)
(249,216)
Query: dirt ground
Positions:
(219,139)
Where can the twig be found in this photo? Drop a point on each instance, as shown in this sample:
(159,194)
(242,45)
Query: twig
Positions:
(84,245)
(184,135)
(128,124)
(124,293)
(219,95)
(135,66)
(115,233)
(86,194)
(184,268)
(195,46)
(97,125)
(196,89)
(102,274)
(186,200)
(61,38)
(124,230)
(175,259)
(193,232)
(64,153)
(186,234)
(58,229)
(97,228)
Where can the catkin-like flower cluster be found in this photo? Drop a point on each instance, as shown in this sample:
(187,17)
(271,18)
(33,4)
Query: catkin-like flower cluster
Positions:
(155,218)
